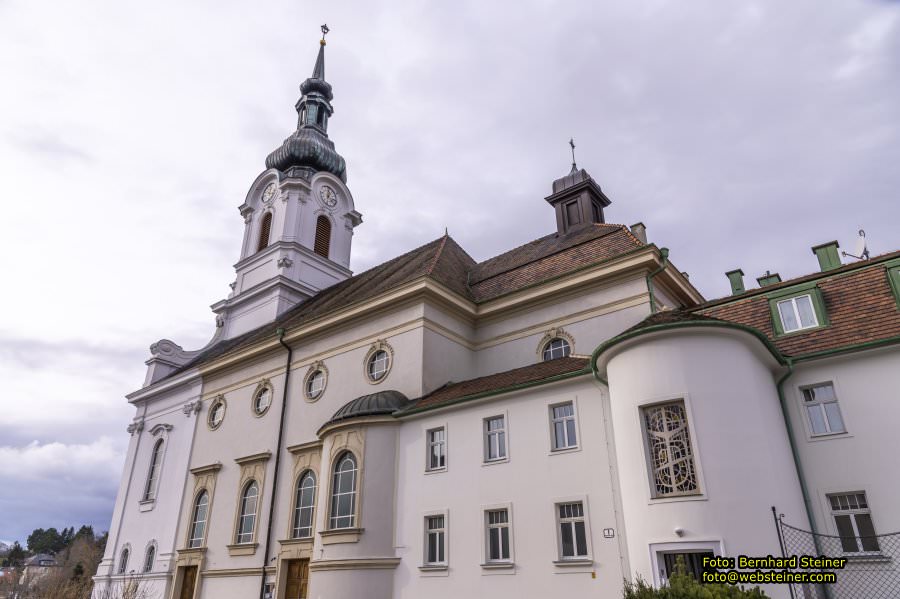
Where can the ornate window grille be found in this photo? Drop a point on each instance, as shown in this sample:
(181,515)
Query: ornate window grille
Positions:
(672,468)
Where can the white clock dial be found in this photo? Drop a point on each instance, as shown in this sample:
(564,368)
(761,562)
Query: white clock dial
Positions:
(269,192)
(329,197)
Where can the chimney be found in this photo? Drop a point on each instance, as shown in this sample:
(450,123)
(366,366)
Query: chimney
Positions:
(639,231)
(736,278)
(769,279)
(827,253)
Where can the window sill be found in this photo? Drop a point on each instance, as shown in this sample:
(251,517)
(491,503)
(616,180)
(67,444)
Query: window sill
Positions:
(145,505)
(495,462)
(340,535)
(677,499)
(564,450)
(498,565)
(567,563)
(192,550)
(435,470)
(828,436)
(308,541)
(433,568)
(801,331)
(870,558)
(242,549)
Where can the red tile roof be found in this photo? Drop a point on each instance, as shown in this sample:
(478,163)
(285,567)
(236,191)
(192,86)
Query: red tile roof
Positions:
(542,372)
(859,303)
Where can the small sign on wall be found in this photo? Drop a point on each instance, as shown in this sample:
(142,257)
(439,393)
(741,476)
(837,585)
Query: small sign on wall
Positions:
(609,533)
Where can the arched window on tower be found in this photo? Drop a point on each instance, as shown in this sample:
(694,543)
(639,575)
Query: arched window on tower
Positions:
(265,228)
(323,236)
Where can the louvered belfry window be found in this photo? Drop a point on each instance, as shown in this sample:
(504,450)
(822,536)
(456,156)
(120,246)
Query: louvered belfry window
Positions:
(323,236)
(264,229)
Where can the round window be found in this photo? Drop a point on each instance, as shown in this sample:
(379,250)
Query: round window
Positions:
(315,384)
(262,401)
(556,348)
(217,413)
(378,366)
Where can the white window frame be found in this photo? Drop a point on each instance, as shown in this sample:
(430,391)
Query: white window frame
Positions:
(805,405)
(154,471)
(586,518)
(192,541)
(124,558)
(653,497)
(151,547)
(426,533)
(852,512)
(657,549)
(796,312)
(334,493)
(486,562)
(552,422)
(247,512)
(487,441)
(295,515)
(429,444)
(565,348)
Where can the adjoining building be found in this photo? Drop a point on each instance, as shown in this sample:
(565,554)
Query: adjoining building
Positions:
(548,422)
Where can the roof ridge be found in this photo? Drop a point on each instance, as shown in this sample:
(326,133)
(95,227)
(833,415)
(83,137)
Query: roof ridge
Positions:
(437,255)
(843,269)
(627,229)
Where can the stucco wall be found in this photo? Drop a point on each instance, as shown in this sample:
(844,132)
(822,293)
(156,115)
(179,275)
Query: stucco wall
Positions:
(740,442)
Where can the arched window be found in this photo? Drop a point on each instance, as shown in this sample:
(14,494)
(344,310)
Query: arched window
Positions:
(343,492)
(556,348)
(198,520)
(149,557)
(247,518)
(305,505)
(123,560)
(265,228)
(153,473)
(323,236)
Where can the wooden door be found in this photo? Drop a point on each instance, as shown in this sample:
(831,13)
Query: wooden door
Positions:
(297,579)
(188,581)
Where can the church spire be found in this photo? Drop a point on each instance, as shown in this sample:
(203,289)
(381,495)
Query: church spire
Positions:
(309,148)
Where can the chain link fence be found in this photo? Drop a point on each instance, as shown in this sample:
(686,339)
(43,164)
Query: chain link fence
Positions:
(872,570)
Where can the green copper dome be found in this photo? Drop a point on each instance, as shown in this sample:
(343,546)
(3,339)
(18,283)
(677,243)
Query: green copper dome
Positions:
(308,148)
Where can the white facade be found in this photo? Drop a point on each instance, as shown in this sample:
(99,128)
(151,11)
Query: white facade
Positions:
(549,480)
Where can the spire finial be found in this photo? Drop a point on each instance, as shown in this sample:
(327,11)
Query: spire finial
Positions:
(572,143)
(325,31)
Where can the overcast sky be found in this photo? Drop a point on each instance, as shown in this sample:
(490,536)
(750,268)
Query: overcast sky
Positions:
(741,133)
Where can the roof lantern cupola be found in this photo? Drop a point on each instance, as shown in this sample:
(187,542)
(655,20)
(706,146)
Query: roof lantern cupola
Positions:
(308,149)
(577,199)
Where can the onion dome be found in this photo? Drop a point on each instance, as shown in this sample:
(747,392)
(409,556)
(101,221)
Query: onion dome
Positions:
(308,149)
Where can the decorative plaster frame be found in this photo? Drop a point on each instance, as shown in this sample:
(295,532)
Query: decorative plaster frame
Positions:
(378,345)
(253,469)
(263,384)
(550,335)
(317,366)
(220,398)
(343,440)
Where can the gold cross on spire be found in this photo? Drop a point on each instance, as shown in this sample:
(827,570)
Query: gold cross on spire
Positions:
(325,31)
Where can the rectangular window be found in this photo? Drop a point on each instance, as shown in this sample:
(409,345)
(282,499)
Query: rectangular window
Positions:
(497,535)
(437,448)
(822,410)
(669,450)
(797,313)
(853,521)
(562,422)
(494,438)
(572,533)
(435,540)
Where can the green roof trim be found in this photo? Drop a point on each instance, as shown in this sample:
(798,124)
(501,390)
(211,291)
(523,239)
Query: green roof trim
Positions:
(499,391)
(682,325)
(893,274)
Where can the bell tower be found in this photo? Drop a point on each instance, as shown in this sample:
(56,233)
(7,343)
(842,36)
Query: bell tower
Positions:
(299,218)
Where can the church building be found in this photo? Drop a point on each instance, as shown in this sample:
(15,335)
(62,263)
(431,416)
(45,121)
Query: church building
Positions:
(544,423)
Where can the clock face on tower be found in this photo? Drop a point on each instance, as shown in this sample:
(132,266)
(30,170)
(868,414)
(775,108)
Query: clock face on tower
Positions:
(269,192)
(329,197)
